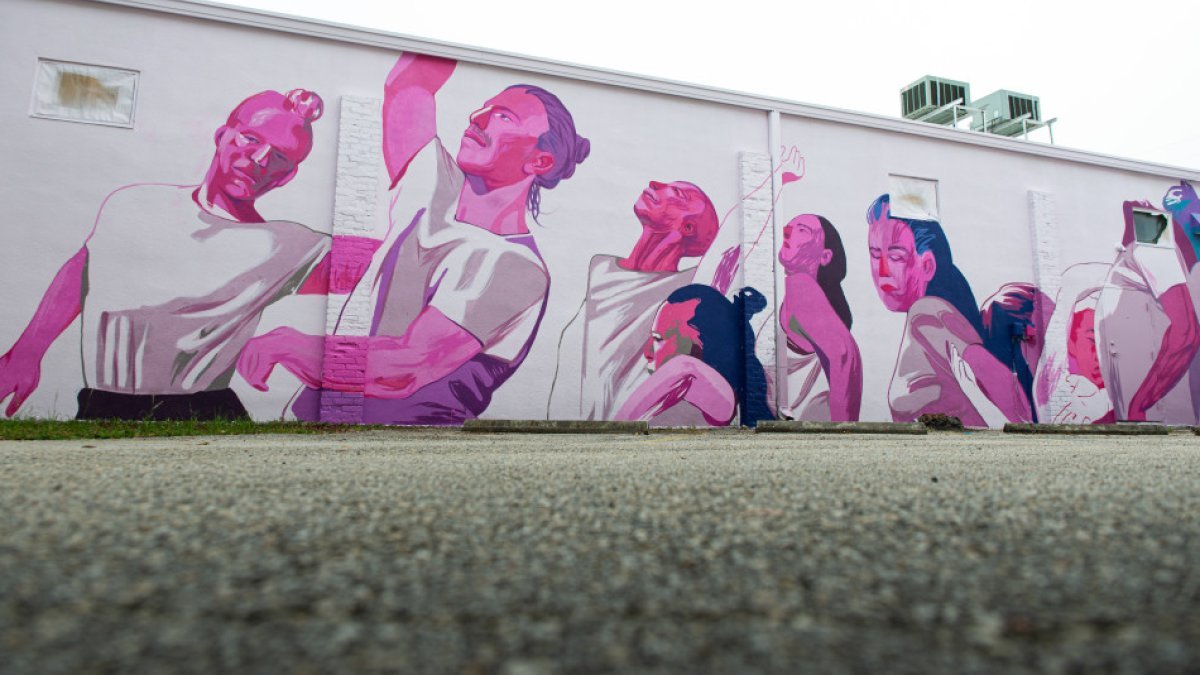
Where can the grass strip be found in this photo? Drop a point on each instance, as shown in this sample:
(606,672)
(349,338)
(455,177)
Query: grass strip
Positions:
(46,430)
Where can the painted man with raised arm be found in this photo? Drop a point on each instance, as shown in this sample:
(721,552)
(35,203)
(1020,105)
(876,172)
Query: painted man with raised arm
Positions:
(600,360)
(459,284)
(172,280)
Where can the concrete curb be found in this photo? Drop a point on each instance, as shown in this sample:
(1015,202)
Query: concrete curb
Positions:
(803,427)
(1120,429)
(554,427)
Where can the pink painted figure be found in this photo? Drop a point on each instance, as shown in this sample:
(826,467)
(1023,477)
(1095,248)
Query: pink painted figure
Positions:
(824,364)
(700,370)
(685,391)
(1146,325)
(1068,385)
(600,348)
(1087,401)
(460,289)
(172,280)
(943,365)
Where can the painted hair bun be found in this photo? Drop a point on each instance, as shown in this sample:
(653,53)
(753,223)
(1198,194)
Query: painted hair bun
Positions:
(305,103)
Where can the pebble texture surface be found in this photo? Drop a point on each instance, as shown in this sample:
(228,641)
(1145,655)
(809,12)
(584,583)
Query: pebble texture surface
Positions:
(448,552)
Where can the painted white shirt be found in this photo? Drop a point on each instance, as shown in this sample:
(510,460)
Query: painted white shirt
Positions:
(493,286)
(173,293)
(600,353)
(807,388)
(1130,325)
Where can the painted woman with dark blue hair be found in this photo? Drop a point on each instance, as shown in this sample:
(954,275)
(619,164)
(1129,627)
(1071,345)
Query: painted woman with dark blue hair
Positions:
(701,354)
(944,365)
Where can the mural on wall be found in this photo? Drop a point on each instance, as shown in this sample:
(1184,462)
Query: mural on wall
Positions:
(460,284)
(1133,336)
(944,364)
(172,280)
(824,366)
(452,293)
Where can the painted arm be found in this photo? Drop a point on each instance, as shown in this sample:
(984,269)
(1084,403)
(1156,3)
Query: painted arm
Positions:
(683,378)
(353,256)
(409,111)
(21,367)
(833,344)
(998,383)
(299,353)
(1179,345)
(431,348)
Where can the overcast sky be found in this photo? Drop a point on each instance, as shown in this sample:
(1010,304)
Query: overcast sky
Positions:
(1122,79)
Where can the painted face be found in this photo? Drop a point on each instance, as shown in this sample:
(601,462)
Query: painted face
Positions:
(901,274)
(499,145)
(1081,346)
(672,335)
(260,152)
(803,249)
(669,207)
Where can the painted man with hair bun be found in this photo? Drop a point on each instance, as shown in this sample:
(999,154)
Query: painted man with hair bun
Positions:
(172,280)
(459,286)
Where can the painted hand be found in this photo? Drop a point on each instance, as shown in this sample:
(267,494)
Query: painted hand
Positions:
(18,377)
(1087,403)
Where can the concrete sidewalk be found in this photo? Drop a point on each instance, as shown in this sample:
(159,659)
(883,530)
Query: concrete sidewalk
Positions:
(452,552)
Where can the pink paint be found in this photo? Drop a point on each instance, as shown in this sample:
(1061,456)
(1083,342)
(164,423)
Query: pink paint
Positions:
(901,274)
(1081,347)
(1180,343)
(678,220)
(259,149)
(299,353)
(431,348)
(807,314)
(20,367)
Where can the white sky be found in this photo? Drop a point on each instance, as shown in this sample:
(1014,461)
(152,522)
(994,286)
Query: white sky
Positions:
(1122,79)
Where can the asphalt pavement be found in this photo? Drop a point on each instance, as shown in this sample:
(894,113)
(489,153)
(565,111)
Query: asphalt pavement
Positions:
(669,553)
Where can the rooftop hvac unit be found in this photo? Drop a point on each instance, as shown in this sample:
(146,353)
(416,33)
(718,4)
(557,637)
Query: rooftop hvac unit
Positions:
(936,100)
(1006,113)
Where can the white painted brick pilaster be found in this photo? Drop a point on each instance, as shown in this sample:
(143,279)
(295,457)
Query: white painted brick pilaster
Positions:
(758,253)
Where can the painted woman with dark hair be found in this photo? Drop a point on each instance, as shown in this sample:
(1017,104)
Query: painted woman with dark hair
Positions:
(701,354)
(1014,325)
(944,365)
(824,380)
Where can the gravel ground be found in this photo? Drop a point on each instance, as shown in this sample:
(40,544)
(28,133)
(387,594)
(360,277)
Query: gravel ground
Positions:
(524,555)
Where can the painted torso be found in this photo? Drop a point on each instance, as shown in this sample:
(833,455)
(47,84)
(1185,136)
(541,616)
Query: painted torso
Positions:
(173,293)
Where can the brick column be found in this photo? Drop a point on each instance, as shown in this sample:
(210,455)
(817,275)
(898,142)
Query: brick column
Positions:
(1047,268)
(355,226)
(758,258)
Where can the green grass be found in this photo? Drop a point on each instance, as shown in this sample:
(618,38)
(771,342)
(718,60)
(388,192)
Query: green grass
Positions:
(42,430)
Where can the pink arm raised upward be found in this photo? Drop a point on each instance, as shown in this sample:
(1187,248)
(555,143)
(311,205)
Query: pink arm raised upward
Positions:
(409,110)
